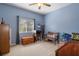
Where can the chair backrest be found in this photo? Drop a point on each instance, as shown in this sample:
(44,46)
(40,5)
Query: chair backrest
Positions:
(53,34)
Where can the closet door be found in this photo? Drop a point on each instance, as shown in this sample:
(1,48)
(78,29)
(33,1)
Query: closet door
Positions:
(5,46)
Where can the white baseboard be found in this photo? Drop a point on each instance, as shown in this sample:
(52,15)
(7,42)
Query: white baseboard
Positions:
(12,44)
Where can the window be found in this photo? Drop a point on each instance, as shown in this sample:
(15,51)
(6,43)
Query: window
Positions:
(26,25)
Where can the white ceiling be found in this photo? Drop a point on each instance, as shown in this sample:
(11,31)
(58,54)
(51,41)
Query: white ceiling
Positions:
(44,10)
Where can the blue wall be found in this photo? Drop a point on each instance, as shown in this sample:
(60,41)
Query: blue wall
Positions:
(9,14)
(63,20)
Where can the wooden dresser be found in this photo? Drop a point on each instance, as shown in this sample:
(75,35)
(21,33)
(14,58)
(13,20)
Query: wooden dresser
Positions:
(4,39)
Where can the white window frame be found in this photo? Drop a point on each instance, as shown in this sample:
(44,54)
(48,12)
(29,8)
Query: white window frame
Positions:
(26,20)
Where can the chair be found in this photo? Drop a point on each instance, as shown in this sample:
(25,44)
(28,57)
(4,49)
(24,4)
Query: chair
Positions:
(53,36)
(39,34)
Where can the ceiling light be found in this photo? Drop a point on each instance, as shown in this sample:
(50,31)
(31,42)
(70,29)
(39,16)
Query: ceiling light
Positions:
(40,5)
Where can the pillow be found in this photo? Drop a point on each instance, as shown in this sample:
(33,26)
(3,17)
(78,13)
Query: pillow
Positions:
(75,36)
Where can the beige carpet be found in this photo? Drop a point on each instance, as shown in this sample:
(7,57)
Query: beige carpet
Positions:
(40,48)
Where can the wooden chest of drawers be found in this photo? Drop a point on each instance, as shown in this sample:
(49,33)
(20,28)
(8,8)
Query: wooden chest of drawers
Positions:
(27,40)
(4,38)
